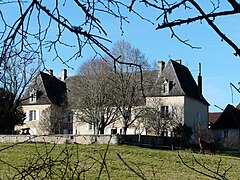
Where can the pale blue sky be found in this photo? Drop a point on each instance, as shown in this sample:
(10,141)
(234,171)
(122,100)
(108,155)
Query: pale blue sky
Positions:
(219,65)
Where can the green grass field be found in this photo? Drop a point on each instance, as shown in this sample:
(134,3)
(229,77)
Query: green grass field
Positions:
(37,161)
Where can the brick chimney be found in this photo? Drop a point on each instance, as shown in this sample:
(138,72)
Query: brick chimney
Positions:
(161,66)
(199,80)
(63,74)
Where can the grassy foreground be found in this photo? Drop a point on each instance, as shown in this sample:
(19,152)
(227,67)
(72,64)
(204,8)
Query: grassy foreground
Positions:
(37,161)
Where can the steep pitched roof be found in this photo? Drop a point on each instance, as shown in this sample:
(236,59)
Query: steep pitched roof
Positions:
(229,119)
(49,90)
(72,86)
(181,82)
(74,83)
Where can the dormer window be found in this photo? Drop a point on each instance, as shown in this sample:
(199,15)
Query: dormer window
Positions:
(165,87)
(33,96)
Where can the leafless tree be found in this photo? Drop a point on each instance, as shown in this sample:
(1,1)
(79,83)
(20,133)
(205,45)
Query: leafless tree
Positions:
(17,72)
(40,26)
(158,121)
(128,82)
(169,13)
(200,167)
(52,162)
(54,120)
(162,118)
(94,95)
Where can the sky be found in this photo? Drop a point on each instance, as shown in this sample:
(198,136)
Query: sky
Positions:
(219,66)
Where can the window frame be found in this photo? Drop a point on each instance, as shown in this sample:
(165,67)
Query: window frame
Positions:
(32,116)
(164,112)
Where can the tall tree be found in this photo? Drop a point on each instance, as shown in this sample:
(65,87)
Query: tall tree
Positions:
(95,95)
(128,82)
(17,70)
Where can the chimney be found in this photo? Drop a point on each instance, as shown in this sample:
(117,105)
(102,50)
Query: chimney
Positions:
(199,80)
(179,61)
(63,74)
(50,72)
(161,66)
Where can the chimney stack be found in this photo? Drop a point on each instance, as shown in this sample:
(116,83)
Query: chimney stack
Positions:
(50,72)
(199,80)
(63,74)
(161,66)
(179,61)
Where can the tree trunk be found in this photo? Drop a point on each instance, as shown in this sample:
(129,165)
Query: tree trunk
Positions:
(101,130)
(96,129)
(102,125)
(125,130)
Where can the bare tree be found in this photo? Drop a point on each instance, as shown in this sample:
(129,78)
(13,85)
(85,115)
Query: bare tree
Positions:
(94,95)
(128,82)
(71,34)
(74,34)
(53,120)
(16,74)
(158,118)
(169,13)
(200,167)
(161,117)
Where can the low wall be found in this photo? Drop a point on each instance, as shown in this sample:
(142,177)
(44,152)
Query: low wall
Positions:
(151,141)
(62,139)
(138,140)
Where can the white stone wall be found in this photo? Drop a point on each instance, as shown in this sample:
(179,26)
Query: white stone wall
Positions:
(192,112)
(196,116)
(33,124)
(61,139)
(85,128)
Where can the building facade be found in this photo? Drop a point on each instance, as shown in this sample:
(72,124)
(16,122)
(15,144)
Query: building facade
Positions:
(174,94)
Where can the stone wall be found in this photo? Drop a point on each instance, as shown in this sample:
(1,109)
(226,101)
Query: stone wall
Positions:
(62,139)
(137,140)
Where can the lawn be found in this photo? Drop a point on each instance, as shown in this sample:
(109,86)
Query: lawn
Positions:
(71,161)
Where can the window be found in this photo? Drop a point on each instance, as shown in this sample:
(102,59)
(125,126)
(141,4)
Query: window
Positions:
(224,134)
(90,126)
(33,96)
(32,115)
(164,111)
(165,87)
(68,117)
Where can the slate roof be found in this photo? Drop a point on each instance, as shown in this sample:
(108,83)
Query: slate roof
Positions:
(229,119)
(49,90)
(72,83)
(52,90)
(182,82)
